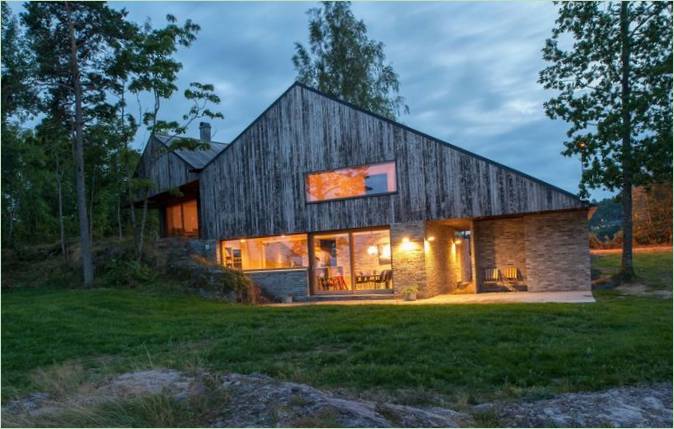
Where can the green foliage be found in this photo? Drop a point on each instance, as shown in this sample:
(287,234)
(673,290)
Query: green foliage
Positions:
(586,70)
(18,92)
(126,271)
(241,285)
(116,58)
(342,61)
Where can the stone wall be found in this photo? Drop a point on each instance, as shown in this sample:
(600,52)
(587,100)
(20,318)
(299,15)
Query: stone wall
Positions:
(550,249)
(500,243)
(408,262)
(282,283)
(441,277)
(557,251)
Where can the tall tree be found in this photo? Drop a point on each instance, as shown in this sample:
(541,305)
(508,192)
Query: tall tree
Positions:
(73,43)
(154,71)
(611,63)
(342,61)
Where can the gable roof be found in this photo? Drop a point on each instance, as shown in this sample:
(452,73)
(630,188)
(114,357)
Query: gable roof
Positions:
(398,124)
(197,159)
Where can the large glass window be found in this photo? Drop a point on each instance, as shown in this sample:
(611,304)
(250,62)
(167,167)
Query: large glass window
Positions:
(182,219)
(372,260)
(332,263)
(349,262)
(374,179)
(267,253)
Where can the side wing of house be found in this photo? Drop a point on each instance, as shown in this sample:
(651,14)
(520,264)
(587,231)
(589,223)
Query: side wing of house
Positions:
(256,186)
(165,169)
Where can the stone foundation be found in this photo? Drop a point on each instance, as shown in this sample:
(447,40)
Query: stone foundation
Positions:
(550,249)
(282,283)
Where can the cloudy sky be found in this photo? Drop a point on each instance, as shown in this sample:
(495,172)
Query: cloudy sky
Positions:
(468,71)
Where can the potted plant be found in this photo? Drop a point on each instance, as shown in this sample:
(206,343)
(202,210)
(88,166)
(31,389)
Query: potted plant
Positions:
(410,293)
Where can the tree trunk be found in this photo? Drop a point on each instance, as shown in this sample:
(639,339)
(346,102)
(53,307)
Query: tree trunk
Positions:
(59,188)
(119,218)
(627,269)
(141,234)
(91,205)
(78,152)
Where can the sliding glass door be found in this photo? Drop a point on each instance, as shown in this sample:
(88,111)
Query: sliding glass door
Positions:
(347,262)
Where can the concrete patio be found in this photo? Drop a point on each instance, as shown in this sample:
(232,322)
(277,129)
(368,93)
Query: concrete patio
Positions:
(571,297)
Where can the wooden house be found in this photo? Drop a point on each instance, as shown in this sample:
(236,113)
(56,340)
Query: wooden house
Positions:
(319,198)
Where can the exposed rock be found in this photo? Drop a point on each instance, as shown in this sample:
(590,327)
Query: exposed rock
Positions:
(258,400)
(261,401)
(152,382)
(28,404)
(621,407)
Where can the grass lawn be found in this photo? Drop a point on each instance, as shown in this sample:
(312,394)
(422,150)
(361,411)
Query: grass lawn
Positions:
(653,268)
(463,353)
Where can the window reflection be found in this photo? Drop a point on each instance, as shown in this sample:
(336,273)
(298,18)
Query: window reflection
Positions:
(351,182)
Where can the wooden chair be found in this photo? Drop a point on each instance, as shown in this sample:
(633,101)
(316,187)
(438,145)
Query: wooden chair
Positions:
(492,277)
(512,278)
(385,277)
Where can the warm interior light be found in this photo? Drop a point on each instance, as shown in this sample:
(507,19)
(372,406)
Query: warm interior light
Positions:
(242,240)
(431,238)
(386,251)
(372,250)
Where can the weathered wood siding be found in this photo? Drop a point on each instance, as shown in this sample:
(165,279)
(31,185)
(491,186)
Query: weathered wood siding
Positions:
(256,185)
(166,170)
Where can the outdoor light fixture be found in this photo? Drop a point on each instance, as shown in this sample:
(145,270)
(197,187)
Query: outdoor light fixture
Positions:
(407,245)
(431,238)
(372,250)
(242,240)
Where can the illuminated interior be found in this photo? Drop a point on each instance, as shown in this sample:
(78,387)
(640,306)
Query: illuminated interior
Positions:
(347,262)
(374,179)
(182,219)
(267,253)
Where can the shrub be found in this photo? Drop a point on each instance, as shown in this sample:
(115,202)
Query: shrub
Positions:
(243,287)
(123,272)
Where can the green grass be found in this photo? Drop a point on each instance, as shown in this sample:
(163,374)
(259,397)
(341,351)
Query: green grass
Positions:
(464,352)
(653,269)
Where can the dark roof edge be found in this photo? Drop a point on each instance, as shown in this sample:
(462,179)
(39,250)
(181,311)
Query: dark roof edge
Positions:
(405,127)
(153,137)
(180,156)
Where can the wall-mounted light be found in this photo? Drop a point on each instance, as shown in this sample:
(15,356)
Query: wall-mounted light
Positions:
(431,238)
(372,250)
(407,245)
(242,240)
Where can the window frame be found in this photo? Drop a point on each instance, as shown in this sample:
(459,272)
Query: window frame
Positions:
(220,256)
(328,170)
(181,203)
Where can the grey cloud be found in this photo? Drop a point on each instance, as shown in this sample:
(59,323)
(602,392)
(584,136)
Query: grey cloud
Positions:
(468,70)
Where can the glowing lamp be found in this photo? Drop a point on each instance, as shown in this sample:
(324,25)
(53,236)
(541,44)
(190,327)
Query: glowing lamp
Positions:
(372,250)
(407,245)
(431,238)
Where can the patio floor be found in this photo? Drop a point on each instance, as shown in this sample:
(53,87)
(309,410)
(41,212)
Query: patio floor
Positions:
(573,297)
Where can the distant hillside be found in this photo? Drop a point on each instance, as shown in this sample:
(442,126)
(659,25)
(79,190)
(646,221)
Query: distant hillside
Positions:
(607,220)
